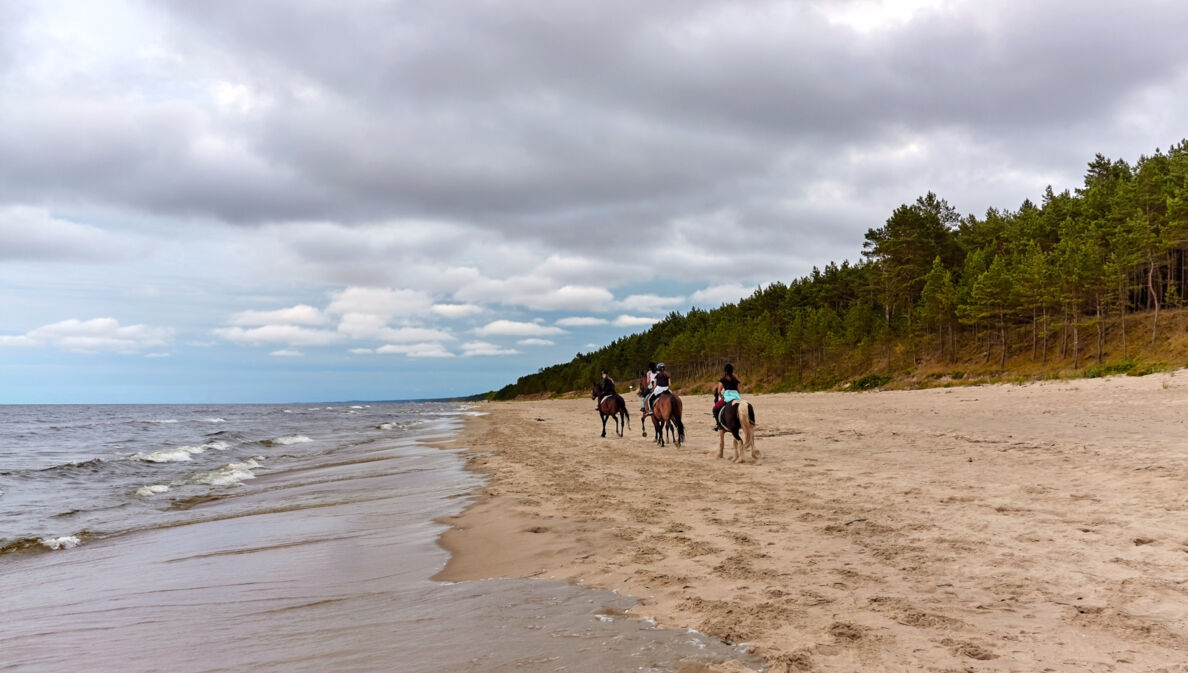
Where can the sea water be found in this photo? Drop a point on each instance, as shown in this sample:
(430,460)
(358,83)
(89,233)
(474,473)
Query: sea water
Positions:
(273,538)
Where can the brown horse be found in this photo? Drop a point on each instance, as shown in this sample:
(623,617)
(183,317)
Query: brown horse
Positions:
(612,406)
(666,418)
(732,418)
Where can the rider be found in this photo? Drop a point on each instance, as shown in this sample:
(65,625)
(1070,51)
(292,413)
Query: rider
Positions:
(725,392)
(661,382)
(649,385)
(608,387)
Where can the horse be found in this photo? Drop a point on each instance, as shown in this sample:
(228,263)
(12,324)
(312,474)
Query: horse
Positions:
(643,404)
(733,417)
(611,407)
(666,418)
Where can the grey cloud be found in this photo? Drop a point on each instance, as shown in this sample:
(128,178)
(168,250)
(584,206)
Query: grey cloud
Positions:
(587,128)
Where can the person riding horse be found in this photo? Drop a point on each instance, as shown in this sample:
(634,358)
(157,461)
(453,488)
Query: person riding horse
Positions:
(660,385)
(647,384)
(608,385)
(609,404)
(725,392)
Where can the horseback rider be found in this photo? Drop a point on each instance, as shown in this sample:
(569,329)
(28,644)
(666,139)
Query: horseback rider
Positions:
(725,392)
(608,388)
(649,385)
(661,383)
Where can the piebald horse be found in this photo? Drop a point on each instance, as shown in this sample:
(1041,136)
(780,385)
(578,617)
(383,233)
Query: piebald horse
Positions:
(732,418)
(612,406)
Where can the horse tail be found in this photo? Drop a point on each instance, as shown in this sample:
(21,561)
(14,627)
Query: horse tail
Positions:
(746,422)
(676,418)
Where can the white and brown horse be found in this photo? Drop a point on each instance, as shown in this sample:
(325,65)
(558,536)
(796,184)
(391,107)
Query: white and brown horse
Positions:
(737,417)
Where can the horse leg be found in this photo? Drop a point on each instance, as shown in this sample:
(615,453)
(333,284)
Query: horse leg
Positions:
(603,423)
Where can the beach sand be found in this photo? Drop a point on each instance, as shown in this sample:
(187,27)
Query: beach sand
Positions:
(1039,527)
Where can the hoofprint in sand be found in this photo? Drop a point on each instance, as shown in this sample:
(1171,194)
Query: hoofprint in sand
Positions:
(997,528)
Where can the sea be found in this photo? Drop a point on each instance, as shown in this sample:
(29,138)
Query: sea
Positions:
(301,537)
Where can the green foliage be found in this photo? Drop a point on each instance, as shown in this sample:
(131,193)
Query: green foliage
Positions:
(1110,369)
(1040,281)
(870,382)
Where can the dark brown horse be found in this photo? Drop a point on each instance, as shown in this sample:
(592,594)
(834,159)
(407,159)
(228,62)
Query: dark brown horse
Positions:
(666,418)
(611,406)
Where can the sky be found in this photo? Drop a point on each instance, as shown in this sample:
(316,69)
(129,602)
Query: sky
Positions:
(316,200)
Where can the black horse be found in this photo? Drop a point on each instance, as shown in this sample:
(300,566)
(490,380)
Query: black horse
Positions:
(611,406)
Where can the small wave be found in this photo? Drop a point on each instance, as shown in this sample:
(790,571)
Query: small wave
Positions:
(215,420)
(162,420)
(36,544)
(287,411)
(357,406)
(386,426)
(64,542)
(230,474)
(92,465)
(145,491)
(290,439)
(179,454)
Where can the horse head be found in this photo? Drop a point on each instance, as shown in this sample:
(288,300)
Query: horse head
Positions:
(597,391)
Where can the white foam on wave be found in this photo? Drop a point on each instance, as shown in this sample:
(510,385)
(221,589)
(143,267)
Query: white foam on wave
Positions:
(64,542)
(290,439)
(145,491)
(385,426)
(179,454)
(230,474)
(288,411)
(162,420)
(215,420)
(357,406)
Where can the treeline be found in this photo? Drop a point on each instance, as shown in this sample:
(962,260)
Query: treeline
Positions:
(1057,283)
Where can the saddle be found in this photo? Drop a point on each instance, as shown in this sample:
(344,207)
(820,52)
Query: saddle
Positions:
(723,410)
(602,400)
(651,400)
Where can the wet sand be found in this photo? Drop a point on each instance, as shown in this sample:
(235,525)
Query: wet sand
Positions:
(1001,528)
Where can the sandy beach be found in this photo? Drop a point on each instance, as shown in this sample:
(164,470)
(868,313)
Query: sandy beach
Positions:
(1038,527)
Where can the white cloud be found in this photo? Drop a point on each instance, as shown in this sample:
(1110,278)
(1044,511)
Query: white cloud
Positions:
(158,355)
(650,303)
(473,348)
(383,302)
(716,295)
(582,321)
(537,292)
(93,336)
(534,342)
(456,310)
(286,353)
(33,234)
(292,335)
(362,351)
(421,350)
(301,314)
(634,321)
(513,328)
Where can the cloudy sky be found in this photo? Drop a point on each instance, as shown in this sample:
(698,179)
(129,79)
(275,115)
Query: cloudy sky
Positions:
(300,200)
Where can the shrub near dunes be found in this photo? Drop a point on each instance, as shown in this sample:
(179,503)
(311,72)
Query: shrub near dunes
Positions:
(1087,282)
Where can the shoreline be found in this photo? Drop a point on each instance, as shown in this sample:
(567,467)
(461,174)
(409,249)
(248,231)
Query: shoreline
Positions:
(989,528)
